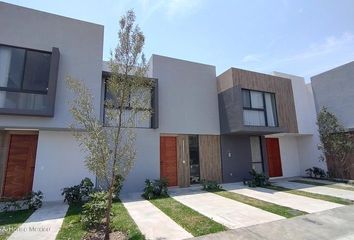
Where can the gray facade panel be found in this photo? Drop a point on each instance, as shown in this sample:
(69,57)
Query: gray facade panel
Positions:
(235,167)
(231,115)
(334,89)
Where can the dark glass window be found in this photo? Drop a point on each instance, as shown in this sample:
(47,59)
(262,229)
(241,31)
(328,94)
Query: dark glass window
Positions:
(23,70)
(194,159)
(259,108)
(256,153)
(36,71)
(11,67)
(111,106)
(246,98)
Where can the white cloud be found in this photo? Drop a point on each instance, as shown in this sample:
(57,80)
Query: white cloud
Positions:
(315,51)
(184,7)
(331,44)
(251,58)
(169,8)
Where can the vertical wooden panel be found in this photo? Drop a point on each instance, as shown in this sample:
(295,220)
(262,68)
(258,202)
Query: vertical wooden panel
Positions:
(4,149)
(168,159)
(274,160)
(20,166)
(183,168)
(209,157)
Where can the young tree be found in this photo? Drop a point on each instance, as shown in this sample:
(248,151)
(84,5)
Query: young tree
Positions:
(336,142)
(110,146)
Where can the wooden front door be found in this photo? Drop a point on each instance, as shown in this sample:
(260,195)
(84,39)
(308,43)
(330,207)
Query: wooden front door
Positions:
(274,160)
(168,159)
(20,166)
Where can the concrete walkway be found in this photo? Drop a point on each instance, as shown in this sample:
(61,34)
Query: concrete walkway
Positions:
(152,222)
(230,213)
(317,189)
(327,225)
(43,224)
(349,186)
(305,204)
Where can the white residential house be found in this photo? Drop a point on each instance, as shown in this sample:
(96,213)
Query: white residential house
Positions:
(204,126)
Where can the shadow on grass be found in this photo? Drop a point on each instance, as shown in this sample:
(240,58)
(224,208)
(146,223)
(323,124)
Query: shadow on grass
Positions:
(9,221)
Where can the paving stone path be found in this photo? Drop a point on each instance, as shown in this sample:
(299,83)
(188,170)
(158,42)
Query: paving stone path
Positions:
(331,224)
(317,189)
(152,222)
(301,203)
(230,213)
(43,224)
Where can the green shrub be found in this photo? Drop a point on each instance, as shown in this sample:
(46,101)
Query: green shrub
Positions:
(94,210)
(316,172)
(155,189)
(118,184)
(78,193)
(35,200)
(210,185)
(32,201)
(257,179)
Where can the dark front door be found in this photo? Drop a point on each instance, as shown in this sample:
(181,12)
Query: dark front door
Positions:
(20,166)
(168,159)
(274,160)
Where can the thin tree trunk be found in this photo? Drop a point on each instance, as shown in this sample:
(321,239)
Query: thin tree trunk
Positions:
(110,191)
(109,206)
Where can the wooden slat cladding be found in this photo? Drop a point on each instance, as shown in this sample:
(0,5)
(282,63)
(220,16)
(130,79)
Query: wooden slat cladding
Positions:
(20,166)
(209,157)
(183,161)
(267,83)
(168,160)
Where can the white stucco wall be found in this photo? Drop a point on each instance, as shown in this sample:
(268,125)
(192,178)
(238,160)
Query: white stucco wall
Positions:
(147,162)
(59,164)
(304,103)
(188,99)
(299,151)
(289,154)
(309,153)
(81,48)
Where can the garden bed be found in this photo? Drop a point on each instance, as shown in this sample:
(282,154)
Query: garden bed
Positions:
(122,225)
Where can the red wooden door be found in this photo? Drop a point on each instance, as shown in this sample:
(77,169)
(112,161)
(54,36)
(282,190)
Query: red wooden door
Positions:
(274,160)
(20,166)
(168,159)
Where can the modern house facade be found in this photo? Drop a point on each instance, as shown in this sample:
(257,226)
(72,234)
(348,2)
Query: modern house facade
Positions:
(38,150)
(204,126)
(334,89)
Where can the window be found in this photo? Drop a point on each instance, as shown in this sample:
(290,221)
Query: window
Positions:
(256,152)
(259,108)
(25,77)
(142,119)
(193,142)
(23,70)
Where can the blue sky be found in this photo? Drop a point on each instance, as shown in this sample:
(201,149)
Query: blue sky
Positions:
(300,37)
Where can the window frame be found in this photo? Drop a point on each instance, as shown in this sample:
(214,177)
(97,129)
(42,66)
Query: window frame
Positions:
(261,152)
(105,78)
(21,89)
(264,109)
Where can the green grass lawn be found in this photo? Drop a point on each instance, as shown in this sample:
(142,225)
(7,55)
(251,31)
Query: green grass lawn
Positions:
(10,221)
(120,221)
(313,195)
(71,228)
(342,187)
(192,221)
(267,206)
